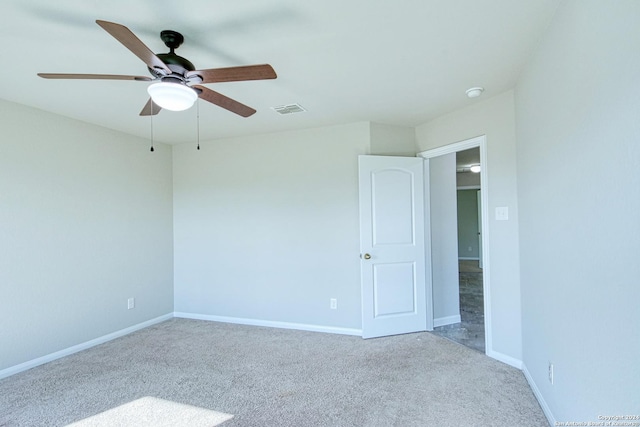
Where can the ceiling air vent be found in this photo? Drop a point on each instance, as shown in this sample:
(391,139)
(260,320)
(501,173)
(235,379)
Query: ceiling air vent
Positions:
(289,109)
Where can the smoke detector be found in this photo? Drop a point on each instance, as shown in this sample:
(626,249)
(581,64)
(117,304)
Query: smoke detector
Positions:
(474,92)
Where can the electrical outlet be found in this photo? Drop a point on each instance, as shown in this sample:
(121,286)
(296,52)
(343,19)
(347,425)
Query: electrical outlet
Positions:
(551,373)
(131,303)
(333,304)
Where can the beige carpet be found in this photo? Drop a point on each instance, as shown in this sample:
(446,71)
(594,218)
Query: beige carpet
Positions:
(272,377)
(153,412)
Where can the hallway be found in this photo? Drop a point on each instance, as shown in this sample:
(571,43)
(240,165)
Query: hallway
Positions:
(470,331)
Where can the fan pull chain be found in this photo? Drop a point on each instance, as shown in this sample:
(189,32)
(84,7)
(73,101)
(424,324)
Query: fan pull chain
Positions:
(151,118)
(198,122)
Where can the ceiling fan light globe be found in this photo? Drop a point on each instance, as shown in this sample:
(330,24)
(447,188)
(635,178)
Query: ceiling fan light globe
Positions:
(172,96)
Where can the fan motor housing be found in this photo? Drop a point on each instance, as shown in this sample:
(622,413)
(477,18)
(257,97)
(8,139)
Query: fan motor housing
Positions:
(182,65)
(176,63)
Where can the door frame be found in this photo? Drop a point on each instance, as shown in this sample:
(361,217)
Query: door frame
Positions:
(481,142)
(480,230)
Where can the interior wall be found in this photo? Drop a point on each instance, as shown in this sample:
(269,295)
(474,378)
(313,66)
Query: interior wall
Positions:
(444,240)
(468,241)
(495,118)
(578,111)
(389,140)
(86,224)
(266,227)
(466,179)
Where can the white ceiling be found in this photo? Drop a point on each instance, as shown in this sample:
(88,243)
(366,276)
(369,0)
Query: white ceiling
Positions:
(399,63)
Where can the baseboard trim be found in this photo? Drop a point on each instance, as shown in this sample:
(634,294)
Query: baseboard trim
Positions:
(444,321)
(538,395)
(512,361)
(79,347)
(270,324)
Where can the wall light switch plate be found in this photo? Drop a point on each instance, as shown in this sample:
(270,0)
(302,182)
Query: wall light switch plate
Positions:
(502,213)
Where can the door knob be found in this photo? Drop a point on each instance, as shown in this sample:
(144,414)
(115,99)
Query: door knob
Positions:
(367,256)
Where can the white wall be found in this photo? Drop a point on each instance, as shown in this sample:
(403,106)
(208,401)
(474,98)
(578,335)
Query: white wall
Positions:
(468,179)
(578,115)
(444,240)
(86,224)
(494,118)
(389,140)
(266,227)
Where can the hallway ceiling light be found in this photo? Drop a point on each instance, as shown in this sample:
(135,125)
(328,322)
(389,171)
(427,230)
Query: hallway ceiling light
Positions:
(475,168)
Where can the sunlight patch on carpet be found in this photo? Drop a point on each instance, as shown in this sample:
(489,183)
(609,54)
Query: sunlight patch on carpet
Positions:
(151,411)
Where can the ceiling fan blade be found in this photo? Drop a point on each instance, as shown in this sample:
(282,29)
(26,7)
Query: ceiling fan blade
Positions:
(93,77)
(235,74)
(225,102)
(134,44)
(150,108)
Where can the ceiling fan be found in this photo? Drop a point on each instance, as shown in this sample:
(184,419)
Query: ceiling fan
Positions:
(177,84)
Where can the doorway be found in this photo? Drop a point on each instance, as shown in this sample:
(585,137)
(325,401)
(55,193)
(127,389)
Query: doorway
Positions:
(469,330)
(472,326)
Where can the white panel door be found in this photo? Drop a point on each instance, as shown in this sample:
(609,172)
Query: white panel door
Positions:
(392,243)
